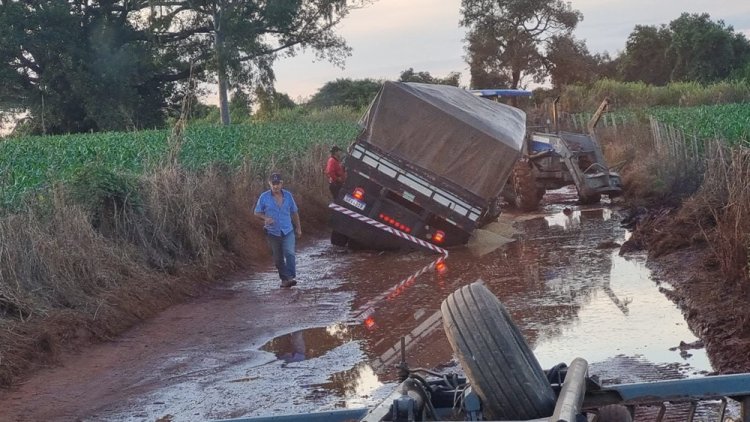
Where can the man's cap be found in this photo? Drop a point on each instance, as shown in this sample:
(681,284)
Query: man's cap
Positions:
(335,148)
(276,178)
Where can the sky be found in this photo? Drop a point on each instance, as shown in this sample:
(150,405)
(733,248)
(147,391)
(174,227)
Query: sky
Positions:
(390,36)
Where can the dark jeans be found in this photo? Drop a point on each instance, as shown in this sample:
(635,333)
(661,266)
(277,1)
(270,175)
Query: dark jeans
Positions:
(282,249)
(335,187)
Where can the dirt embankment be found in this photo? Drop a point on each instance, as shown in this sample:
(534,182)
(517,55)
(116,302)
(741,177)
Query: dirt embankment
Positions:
(714,306)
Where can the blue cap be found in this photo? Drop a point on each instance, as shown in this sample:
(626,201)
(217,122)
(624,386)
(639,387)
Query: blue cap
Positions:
(276,178)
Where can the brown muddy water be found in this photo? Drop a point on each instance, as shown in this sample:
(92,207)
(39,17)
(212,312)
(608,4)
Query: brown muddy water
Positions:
(331,342)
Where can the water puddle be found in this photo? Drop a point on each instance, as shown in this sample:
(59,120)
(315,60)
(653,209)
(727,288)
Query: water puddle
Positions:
(563,282)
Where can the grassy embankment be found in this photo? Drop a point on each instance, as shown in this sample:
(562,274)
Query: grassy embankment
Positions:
(100,231)
(687,146)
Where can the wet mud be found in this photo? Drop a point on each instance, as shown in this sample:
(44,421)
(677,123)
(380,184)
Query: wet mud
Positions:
(250,348)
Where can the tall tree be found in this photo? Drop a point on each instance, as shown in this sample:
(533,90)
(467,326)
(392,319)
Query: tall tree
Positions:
(645,58)
(240,106)
(355,93)
(569,62)
(239,40)
(78,66)
(409,75)
(270,102)
(704,50)
(506,38)
(60,59)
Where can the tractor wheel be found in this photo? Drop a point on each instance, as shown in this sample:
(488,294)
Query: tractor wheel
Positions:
(526,195)
(614,413)
(496,358)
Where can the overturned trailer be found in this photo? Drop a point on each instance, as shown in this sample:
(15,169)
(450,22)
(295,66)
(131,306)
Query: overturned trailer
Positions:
(430,162)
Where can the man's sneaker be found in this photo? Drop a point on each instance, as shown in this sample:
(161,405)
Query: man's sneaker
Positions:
(288,283)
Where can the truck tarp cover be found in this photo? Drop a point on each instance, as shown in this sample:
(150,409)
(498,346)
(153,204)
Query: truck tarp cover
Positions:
(470,141)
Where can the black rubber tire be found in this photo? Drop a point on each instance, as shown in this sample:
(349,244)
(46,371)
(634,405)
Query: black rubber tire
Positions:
(338,239)
(525,193)
(614,413)
(496,358)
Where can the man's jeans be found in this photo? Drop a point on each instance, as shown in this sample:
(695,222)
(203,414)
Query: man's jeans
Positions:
(282,249)
(335,187)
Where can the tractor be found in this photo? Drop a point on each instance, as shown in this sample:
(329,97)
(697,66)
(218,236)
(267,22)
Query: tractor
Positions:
(554,159)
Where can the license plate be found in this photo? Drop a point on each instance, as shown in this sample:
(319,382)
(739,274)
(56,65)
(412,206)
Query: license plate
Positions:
(354,202)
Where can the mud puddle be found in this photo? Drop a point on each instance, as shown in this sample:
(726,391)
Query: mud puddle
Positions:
(251,348)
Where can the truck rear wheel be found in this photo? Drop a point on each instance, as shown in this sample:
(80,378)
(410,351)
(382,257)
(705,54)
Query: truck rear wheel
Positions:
(338,239)
(525,195)
(496,358)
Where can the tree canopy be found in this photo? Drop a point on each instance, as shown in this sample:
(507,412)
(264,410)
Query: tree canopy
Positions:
(506,38)
(568,61)
(645,58)
(355,93)
(77,65)
(409,75)
(691,48)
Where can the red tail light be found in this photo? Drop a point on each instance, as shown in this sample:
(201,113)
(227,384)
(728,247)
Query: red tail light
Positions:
(438,237)
(358,193)
(370,323)
(395,223)
(440,267)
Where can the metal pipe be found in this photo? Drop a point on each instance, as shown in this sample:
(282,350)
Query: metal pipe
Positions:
(555,120)
(570,400)
(745,404)
(662,411)
(693,408)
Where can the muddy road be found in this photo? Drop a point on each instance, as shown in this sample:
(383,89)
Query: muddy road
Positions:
(249,348)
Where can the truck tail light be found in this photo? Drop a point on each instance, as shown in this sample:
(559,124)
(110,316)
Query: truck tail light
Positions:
(358,193)
(441,267)
(370,322)
(395,223)
(438,237)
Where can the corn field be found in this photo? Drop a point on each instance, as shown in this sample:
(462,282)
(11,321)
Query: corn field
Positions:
(728,122)
(32,165)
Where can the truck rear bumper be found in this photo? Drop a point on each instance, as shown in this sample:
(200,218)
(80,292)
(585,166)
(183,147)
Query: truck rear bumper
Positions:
(365,236)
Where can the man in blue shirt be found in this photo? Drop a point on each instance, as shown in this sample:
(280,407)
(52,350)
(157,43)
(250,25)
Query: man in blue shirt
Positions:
(277,209)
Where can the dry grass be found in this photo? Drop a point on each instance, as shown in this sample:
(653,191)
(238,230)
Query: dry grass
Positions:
(717,215)
(711,192)
(71,273)
(650,175)
(725,197)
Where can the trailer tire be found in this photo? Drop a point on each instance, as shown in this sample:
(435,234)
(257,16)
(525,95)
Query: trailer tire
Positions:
(338,239)
(496,358)
(614,413)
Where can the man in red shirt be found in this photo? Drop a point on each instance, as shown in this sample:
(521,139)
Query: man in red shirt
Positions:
(335,171)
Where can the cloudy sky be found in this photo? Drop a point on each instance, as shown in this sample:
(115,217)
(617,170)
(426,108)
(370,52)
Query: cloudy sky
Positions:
(390,36)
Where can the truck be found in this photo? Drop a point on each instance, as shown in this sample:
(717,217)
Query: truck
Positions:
(430,162)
